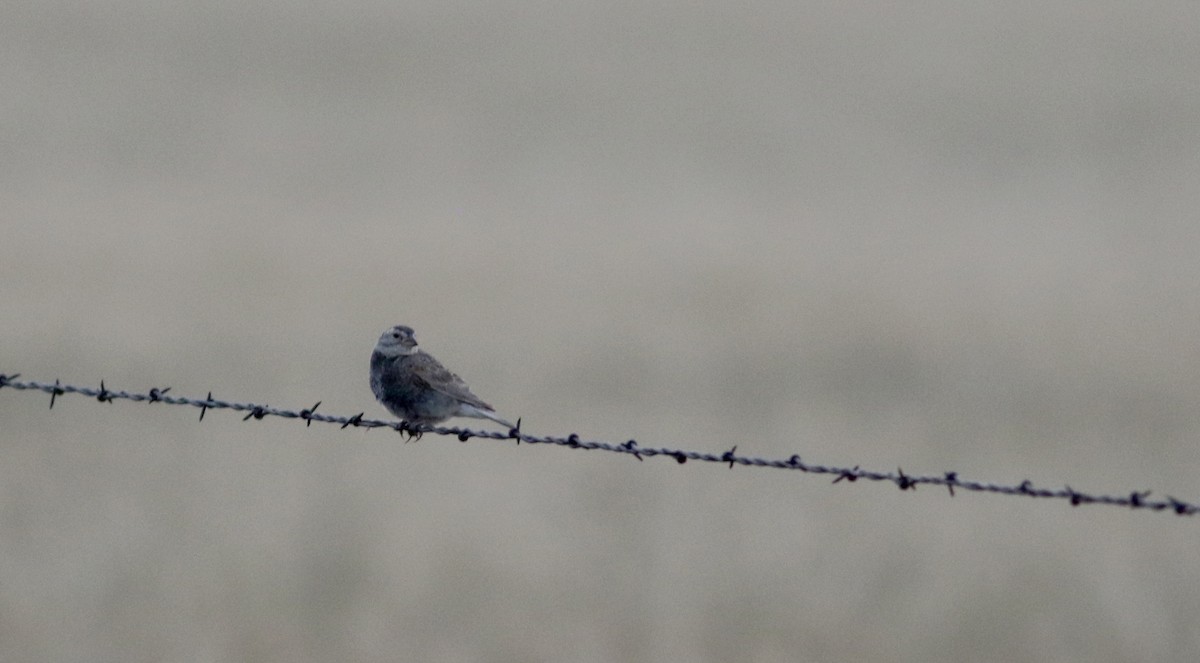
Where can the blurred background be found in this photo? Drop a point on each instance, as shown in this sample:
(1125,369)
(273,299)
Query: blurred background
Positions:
(936,236)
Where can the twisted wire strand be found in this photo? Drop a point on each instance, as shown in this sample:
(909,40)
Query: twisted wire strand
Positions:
(1139,500)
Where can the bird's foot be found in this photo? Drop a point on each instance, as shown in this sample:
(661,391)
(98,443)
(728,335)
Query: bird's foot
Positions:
(407,431)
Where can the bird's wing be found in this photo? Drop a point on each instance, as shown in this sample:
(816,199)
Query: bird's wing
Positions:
(432,373)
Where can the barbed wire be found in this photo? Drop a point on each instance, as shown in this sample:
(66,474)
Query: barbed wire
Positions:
(950,480)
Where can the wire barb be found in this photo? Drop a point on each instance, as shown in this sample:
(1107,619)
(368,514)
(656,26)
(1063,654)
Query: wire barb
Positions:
(104,396)
(1139,500)
(1181,508)
(850,475)
(631,447)
(951,479)
(258,412)
(208,402)
(55,393)
(306,415)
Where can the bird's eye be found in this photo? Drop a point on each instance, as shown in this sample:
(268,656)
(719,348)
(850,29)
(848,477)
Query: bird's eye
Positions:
(396,336)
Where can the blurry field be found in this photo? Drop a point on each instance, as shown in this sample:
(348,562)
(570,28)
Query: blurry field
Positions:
(935,236)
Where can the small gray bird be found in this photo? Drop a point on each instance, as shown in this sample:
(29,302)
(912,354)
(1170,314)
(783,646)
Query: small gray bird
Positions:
(412,385)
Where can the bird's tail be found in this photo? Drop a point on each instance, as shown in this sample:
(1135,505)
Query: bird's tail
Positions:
(480,413)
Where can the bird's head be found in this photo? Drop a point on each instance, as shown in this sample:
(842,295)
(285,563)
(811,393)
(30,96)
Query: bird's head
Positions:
(397,341)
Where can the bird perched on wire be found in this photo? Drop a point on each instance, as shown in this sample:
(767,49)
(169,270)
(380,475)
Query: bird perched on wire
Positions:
(414,386)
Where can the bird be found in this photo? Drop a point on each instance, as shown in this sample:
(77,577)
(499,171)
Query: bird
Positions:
(414,386)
